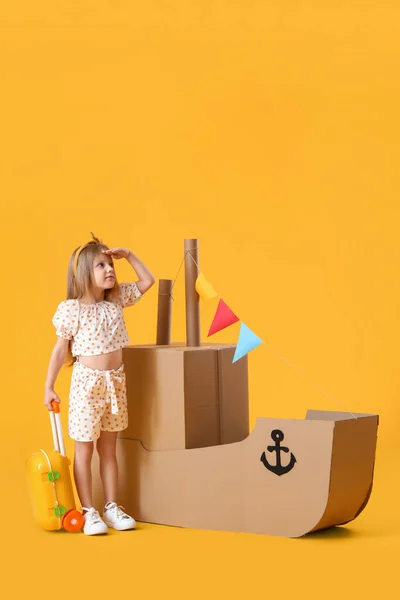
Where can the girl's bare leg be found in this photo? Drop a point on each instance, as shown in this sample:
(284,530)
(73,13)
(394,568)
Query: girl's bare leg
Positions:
(83,472)
(106,447)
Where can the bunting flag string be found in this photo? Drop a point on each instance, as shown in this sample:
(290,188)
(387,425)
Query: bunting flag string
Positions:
(224,317)
(247,340)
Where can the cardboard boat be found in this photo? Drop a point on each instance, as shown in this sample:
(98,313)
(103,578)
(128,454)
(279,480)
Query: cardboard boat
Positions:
(187,458)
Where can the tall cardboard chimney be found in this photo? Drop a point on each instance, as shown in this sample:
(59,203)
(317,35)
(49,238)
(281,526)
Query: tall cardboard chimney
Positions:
(191,296)
(164,312)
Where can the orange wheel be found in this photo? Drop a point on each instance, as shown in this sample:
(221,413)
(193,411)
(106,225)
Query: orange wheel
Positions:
(73,521)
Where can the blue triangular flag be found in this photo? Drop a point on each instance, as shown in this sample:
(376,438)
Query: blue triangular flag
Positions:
(247,341)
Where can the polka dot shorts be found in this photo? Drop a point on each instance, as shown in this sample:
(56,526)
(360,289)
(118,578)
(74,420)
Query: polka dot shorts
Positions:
(97,402)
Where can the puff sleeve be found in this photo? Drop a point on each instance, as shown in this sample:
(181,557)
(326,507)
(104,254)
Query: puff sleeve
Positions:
(66,319)
(130,293)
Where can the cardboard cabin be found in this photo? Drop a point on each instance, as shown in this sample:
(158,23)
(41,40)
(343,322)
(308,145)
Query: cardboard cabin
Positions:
(187,458)
(186,397)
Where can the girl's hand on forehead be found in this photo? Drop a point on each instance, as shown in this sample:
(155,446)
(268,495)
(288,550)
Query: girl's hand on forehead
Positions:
(117,252)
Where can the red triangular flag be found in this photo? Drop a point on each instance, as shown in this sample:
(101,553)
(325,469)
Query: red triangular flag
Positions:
(223,318)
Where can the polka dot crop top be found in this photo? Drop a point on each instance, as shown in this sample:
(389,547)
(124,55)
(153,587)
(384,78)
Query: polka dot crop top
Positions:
(95,328)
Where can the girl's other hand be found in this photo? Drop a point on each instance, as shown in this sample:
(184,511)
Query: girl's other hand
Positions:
(49,396)
(117,252)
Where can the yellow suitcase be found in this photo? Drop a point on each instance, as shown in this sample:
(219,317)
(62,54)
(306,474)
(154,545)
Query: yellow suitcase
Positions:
(50,485)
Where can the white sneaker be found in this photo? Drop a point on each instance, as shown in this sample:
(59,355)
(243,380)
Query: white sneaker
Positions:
(116,518)
(93,522)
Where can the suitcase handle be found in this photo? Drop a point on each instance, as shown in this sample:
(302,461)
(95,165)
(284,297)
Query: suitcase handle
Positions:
(56,428)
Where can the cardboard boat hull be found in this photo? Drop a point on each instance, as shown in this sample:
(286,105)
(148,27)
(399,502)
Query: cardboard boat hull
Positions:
(230,487)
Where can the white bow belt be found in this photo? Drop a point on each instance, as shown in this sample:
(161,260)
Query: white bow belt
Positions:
(109,379)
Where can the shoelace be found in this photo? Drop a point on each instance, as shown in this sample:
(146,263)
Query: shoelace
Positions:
(93,514)
(120,510)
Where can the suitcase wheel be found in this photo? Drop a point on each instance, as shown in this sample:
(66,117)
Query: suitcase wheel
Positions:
(73,521)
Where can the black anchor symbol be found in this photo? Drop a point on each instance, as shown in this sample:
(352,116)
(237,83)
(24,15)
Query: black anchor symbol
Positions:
(278,469)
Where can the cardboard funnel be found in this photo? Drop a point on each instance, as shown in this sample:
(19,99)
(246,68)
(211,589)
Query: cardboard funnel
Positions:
(191,296)
(164,312)
(323,478)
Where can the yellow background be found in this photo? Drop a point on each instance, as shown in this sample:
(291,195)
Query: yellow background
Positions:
(270,132)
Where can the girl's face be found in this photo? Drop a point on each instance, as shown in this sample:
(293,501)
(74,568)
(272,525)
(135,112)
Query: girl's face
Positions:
(103,270)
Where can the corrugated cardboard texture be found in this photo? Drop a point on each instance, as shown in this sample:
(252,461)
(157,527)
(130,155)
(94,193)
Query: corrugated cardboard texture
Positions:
(233,397)
(201,389)
(352,470)
(185,397)
(228,487)
(156,400)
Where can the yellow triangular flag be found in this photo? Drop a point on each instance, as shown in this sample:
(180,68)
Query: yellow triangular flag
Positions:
(204,288)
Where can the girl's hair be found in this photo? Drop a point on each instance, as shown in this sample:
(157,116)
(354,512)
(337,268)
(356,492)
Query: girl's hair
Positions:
(81,284)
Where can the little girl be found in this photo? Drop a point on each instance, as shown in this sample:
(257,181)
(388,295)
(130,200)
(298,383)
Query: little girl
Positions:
(91,328)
